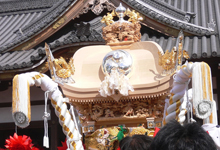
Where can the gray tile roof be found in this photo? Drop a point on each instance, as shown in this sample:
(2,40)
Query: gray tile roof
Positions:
(198,46)
(24,60)
(85,32)
(34,23)
(195,46)
(12,23)
(173,16)
(205,42)
(22,5)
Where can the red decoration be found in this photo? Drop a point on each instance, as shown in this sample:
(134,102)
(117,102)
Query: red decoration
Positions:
(125,39)
(37,147)
(19,143)
(156,130)
(84,146)
(64,146)
(118,148)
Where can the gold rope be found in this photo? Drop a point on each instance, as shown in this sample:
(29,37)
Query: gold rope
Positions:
(171,100)
(70,134)
(184,114)
(164,122)
(66,128)
(58,108)
(178,103)
(73,144)
(53,102)
(62,118)
(177,113)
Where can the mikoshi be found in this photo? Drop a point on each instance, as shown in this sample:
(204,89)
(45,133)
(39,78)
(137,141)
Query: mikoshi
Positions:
(124,87)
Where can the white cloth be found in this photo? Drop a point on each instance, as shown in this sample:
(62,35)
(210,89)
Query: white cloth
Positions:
(214,132)
(47,84)
(202,90)
(202,101)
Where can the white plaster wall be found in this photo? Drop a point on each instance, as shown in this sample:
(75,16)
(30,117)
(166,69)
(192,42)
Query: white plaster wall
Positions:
(37,112)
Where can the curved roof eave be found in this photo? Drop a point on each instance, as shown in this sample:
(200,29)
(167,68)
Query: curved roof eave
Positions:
(33,28)
(174,19)
(94,37)
(30,59)
(64,9)
(23,5)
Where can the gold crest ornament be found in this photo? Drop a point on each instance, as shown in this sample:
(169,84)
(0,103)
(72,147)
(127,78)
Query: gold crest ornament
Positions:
(121,32)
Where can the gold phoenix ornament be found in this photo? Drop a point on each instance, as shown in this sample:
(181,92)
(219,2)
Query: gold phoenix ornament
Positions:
(108,19)
(168,60)
(64,70)
(134,16)
(60,70)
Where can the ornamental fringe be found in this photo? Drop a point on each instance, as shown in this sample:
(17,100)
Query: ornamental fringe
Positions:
(200,96)
(21,108)
(21,103)
(115,81)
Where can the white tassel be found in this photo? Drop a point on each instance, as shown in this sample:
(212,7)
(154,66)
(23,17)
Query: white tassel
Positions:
(74,118)
(46,115)
(191,112)
(46,142)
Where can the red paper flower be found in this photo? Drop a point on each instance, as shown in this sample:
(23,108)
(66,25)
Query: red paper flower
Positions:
(19,143)
(64,146)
